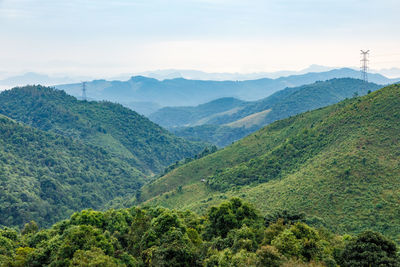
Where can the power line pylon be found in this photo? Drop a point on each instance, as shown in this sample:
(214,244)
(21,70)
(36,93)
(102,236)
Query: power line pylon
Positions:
(364,65)
(84,91)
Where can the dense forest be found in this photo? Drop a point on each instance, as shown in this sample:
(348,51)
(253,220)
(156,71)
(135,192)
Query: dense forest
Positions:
(46,177)
(339,164)
(59,155)
(231,234)
(118,130)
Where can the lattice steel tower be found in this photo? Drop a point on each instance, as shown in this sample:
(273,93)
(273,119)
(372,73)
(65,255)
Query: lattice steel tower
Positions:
(364,65)
(84,91)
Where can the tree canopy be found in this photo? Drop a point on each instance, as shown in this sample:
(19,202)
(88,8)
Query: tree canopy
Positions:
(231,234)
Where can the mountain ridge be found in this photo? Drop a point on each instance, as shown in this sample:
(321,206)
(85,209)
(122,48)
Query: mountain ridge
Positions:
(184,92)
(217,128)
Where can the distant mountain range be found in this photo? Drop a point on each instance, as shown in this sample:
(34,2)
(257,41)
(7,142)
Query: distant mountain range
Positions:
(31,78)
(8,80)
(391,72)
(226,76)
(225,120)
(183,92)
(154,90)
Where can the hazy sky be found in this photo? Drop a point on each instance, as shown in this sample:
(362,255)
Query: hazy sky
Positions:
(105,37)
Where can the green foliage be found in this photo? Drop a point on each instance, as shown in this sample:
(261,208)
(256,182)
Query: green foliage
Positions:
(229,215)
(287,243)
(370,249)
(82,154)
(30,228)
(162,237)
(269,256)
(219,135)
(44,176)
(207,151)
(94,257)
(339,165)
(288,217)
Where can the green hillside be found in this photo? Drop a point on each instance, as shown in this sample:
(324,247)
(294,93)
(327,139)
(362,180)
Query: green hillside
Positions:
(339,164)
(46,177)
(117,129)
(225,127)
(295,100)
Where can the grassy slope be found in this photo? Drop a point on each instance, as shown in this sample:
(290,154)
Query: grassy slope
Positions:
(189,116)
(251,120)
(45,177)
(119,130)
(351,182)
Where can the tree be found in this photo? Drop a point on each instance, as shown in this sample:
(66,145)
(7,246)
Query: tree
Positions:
(175,249)
(269,256)
(229,215)
(30,228)
(370,249)
(92,258)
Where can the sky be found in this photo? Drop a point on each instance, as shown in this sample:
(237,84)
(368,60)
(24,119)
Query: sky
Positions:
(106,37)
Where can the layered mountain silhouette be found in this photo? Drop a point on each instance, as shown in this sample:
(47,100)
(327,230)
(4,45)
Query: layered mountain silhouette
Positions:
(226,120)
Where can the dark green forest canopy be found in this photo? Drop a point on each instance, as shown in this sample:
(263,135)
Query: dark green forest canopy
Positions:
(119,130)
(45,177)
(231,234)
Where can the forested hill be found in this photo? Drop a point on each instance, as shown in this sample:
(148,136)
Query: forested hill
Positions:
(222,128)
(339,164)
(46,177)
(113,127)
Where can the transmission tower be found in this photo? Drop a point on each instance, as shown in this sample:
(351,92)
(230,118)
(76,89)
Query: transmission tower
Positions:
(84,91)
(364,65)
